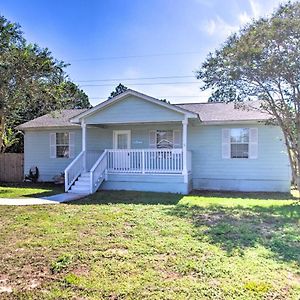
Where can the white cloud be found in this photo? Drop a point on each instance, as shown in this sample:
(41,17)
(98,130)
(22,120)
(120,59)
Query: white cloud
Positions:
(218,26)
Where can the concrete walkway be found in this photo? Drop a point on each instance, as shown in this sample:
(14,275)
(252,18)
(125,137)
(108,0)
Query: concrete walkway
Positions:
(55,199)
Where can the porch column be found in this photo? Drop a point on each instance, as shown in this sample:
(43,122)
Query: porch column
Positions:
(83,132)
(184,149)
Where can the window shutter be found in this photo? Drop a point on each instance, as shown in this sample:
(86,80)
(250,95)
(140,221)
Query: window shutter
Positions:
(225,143)
(177,138)
(152,139)
(253,143)
(71,144)
(52,145)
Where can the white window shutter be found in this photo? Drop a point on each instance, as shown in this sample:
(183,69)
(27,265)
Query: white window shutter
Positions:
(152,138)
(225,143)
(253,143)
(71,144)
(177,138)
(52,137)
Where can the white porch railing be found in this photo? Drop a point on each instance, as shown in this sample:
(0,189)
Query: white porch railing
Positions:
(74,169)
(145,161)
(97,173)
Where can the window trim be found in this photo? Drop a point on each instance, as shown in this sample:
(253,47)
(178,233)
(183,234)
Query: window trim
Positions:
(62,145)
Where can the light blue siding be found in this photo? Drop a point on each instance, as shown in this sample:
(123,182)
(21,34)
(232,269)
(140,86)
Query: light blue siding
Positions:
(148,183)
(133,109)
(269,172)
(37,153)
(102,138)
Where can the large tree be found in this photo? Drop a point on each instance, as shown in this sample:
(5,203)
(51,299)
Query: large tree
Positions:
(262,61)
(32,83)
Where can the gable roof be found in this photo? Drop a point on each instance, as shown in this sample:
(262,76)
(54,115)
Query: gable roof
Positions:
(206,112)
(226,112)
(124,95)
(55,119)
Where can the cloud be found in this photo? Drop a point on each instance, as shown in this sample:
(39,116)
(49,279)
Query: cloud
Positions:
(218,26)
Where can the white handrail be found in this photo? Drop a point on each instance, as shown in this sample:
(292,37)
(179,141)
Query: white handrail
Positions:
(74,169)
(97,172)
(162,161)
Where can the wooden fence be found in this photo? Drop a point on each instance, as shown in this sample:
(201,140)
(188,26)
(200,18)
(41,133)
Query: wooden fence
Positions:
(11,167)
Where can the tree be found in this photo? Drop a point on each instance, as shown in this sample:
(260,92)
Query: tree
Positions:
(32,81)
(118,90)
(262,61)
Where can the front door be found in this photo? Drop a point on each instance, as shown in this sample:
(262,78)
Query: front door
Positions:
(122,141)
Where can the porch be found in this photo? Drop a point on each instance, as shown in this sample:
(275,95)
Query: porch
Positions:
(125,167)
(132,139)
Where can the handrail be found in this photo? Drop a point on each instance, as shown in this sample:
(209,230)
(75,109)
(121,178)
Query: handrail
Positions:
(162,161)
(69,180)
(97,172)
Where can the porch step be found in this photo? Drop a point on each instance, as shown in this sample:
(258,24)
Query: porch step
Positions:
(82,184)
(79,190)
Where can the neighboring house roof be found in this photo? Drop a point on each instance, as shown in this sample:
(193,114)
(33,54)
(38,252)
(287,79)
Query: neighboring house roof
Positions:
(226,112)
(55,119)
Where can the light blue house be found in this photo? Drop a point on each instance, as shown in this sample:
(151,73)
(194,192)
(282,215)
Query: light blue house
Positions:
(136,142)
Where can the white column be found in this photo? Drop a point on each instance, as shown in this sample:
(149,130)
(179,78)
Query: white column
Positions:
(83,129)
(184,149)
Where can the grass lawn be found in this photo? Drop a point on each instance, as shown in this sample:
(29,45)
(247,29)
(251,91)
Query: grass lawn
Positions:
(22,190)
(129,245)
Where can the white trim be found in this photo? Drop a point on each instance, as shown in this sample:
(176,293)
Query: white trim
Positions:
(129,92)
(184,149)
(234,122)
(116,132)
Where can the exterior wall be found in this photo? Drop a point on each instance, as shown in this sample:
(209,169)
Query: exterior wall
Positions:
(133,109)
(147,183)
(269,172)
(102,138)
(37,153)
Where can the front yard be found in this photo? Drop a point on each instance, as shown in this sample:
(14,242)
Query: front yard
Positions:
(129,245)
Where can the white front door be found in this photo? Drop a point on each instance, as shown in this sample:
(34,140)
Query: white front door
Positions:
(122,141)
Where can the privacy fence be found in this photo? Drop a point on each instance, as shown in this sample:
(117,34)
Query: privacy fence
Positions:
(11,167)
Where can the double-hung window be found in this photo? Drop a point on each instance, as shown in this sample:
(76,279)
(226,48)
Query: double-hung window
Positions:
(239,143)
(62,145)
(165,139)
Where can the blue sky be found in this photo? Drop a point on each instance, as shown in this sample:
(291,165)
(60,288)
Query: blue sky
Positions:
(96,38)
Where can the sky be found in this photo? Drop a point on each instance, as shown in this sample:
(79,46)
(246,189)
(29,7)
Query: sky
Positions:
(136,42)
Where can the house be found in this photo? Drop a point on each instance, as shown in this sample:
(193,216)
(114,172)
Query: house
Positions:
(136,142)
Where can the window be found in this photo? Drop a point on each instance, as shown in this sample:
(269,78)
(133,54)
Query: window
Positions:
(62,144)
(239,143)
(164,139)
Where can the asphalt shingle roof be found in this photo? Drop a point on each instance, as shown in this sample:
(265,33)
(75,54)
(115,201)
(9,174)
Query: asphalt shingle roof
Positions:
(218,112)
(55,119)
(208,112)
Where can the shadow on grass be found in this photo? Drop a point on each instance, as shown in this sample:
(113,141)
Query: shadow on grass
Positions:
(237,228)
(129,197)
(244,195)
(18,190)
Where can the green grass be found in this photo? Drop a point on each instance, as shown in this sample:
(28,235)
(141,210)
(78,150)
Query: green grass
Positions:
(129,245)
(23,190)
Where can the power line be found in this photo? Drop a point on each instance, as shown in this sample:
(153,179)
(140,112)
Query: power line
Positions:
(136,78)
(135,56)
(147,83)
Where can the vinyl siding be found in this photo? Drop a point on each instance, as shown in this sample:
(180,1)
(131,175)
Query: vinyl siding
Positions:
(133,109)
(269,172)
(102,138)
(37,153)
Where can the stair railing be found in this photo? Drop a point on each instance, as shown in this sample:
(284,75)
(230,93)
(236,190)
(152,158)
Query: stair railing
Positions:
(74,169)
(97,173)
